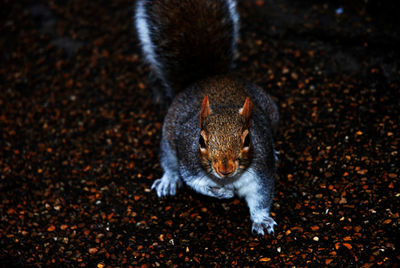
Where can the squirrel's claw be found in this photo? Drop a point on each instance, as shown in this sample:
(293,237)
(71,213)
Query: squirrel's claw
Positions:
(167,185)
(267,224)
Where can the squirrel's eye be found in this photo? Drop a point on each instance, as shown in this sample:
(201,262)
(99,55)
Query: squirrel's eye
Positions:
(202,143)
(246,142)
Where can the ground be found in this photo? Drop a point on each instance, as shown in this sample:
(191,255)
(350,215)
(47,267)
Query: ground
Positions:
(80,133)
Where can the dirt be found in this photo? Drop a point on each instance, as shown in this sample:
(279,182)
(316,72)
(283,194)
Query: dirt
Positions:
(80,133)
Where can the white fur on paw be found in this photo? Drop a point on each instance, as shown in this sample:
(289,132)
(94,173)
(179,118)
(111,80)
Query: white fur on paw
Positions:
(166,185)
(221,192)
(266,224)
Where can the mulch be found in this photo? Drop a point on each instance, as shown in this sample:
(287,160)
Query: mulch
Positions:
(80,133)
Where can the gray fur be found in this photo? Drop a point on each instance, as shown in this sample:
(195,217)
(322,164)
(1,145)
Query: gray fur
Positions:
(181,132)
(192,59)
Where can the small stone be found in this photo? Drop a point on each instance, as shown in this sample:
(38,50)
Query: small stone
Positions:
(93,250)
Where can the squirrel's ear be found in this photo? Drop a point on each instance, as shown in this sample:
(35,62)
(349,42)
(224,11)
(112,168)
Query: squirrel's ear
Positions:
(205,110)
(247,109)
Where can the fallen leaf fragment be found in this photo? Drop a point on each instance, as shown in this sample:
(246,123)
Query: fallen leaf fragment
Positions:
(328,261)
(315,228)
(357,229)
(347,245)
(87,168)
(93,250)
(347,238)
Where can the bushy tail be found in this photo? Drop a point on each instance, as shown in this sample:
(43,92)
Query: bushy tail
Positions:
(187,40)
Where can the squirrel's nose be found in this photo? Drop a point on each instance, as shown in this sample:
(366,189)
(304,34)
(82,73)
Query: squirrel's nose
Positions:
(227,169)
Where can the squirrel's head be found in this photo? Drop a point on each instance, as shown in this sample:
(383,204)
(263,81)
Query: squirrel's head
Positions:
(225,142)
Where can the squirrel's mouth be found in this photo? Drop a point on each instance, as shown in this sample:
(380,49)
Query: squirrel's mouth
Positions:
(226,170)
(224,180)
(225,175)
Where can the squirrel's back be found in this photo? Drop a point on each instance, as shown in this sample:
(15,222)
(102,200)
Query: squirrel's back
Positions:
(187,40)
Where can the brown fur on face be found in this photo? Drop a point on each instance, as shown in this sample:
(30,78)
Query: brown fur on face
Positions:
(224,150)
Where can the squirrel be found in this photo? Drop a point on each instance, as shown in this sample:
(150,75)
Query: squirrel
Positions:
(217,135)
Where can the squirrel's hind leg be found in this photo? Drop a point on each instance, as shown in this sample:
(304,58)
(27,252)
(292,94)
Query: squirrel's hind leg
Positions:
(170,181)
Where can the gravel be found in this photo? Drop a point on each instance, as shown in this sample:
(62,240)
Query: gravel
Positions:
(80,134)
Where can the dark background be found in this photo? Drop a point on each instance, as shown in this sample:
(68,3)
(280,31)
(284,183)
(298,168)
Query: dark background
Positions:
(80,133)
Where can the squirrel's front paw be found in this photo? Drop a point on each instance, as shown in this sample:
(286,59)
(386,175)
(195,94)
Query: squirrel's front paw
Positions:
(267,223)
(221,192)
(167,185)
